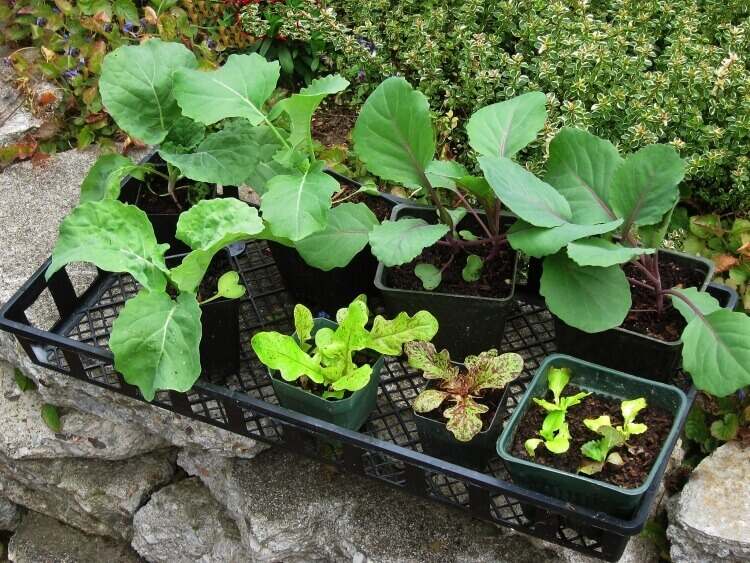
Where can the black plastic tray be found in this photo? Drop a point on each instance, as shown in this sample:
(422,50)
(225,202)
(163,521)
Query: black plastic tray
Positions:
(387,448)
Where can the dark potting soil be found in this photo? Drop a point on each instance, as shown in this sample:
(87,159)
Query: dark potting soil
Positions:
(218,267)
(489,397)
(379,206)
(152,203)
(495,281)
(668,325)
(639,454)
(332,124)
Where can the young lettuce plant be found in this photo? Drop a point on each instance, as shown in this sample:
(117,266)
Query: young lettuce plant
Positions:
(155,338)
(597,211)
(328,359)
(599,451)
(555,432)
(463,388)
(394,137)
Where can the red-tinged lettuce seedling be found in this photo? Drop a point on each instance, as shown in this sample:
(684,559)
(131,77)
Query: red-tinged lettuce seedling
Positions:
(327,360)
(156,336)
(599,451)
(555,432)
(464,387)
(597,211)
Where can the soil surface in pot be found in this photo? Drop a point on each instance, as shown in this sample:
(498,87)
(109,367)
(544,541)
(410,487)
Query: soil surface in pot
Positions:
(332,124)
(490,398)
(495,281)
(645,320)
(150,202)
(379,206)
(639,454)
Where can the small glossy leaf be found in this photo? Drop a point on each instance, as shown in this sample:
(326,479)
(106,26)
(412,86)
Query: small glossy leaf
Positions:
(581,167)
(114,236)
(539,241)
(572,400)
(137,89)
(557,379)
(51,417)
(24,383)
(388,336)
(615,459)
(281,352)
(552,424)
(237,89)
(546,405)
(531,445)
(593,450)
(346,234)
(393,134)
(589,298)
(303,322)
(104,178)
(594,424)
(429,400)
(400,241)
(630,409)
(229,286)
(432,364)
(526,195)
(429,275)
(472,271)
(296,206)
(603,253)
(463,419)
(456,214)
(467,235)
(561,443)
(156,340)
(644,187)
(504,128)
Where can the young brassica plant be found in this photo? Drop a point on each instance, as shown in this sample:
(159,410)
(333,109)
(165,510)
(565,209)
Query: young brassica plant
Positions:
(597,211)
(554,432)
(463,388)
(394,137)
(600,451)
(328,359)
(155,338)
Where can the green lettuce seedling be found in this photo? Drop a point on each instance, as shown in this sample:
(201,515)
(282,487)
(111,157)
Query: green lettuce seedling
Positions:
(599,451)
(597,211)
(156,336)
(554,432)
(461,387)
(395,139)
(328,359)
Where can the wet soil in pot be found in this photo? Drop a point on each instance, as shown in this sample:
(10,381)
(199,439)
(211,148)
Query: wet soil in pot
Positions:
(639,454)
(645,320)
(379,206)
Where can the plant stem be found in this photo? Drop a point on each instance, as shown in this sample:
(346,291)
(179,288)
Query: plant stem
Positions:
(445,217)
(685,300)
(214,298)
(449,262)
(641,284)
(471,210)
(171,183)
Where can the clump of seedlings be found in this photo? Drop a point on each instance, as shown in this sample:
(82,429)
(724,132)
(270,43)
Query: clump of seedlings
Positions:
(464,387)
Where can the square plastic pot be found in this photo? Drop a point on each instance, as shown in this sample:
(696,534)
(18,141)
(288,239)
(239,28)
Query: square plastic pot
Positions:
(626,350)
(580,489)
(468,324)
(329,290)
(351,412)
(438,441)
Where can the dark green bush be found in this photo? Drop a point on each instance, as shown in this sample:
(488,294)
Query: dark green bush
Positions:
(634,71)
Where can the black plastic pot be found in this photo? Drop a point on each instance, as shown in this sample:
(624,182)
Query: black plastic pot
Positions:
(576,488)
(468,324)
(331,290)
(628,351)
(437,440)
(351,412)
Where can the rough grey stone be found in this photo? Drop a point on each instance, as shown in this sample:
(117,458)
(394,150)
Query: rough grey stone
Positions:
(96,496)
(33,201)
(292,509)
(24,435)
(10,514)
(183,523)
(40,539)
(710,519)
(15,117)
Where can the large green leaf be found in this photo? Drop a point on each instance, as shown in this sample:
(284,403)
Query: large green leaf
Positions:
(300,107)
(346,235)
(225,157)
(581,166)
(703,301)
(398,242)
(237,89)
(136,85)
(393,135)
(600,252)
(504,128)
(716,351)
(266,146)
(156,342)
(281,352)
(388,336)
(297,205)
(445,173)
(104,178)
(645,186)
(585,297)
(184,135)
(526,195)
(115,237)
(540,241)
